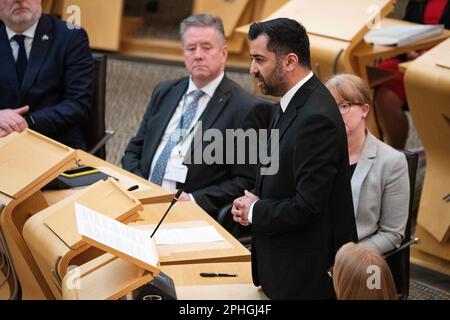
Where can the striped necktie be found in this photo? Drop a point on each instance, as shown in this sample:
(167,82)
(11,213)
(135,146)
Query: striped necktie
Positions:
(159,170)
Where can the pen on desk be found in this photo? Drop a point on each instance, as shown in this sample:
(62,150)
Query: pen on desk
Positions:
(213,274)
(132,188)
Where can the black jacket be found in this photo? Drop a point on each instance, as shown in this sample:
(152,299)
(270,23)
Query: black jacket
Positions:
(58,81)
(214,185)
(306,212)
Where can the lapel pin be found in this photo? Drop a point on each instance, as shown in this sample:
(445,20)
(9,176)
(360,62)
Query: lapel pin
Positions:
(45,37)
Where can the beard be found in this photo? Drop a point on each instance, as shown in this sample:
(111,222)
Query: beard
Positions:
(27,17)
(274,83)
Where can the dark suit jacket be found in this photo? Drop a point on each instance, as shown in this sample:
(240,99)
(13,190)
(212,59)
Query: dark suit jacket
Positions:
(305,213)
(57,84)
(215,185)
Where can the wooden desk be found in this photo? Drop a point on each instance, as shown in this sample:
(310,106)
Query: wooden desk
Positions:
(363,56)
(47,6)
(147,192)
(46,246)
(27,165)
(229,250)
(190,285)
(103,278)
(427,83)
(107,277)
(29,162)
(120,278)
(403,66)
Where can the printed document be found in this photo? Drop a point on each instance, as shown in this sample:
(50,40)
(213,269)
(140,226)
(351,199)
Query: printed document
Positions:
(116,235)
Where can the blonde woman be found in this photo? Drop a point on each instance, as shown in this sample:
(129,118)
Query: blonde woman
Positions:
(380,181)
(360,273)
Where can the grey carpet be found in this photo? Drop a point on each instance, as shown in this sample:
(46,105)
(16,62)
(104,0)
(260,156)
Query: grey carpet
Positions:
(422,291)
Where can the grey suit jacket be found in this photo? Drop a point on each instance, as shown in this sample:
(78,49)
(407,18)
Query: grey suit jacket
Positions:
(380,188)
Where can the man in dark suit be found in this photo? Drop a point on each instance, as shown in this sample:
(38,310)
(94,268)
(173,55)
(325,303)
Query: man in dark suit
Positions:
(46,73)
(303,213)
(165,147)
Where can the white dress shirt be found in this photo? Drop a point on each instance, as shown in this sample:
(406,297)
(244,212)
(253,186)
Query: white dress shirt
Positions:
(182,149)
(284,102)
(29,37)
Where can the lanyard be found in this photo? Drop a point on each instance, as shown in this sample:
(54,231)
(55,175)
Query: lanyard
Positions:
(183,138)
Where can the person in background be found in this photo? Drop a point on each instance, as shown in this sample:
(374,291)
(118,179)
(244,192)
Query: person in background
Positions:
(165,139)
(360,273)
(46,74)
(390,97)
(380,181)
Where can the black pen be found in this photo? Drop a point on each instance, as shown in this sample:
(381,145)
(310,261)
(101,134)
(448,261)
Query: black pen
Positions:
(213,274)
(132,188)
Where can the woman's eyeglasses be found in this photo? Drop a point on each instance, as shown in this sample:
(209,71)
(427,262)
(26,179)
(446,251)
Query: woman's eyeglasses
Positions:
(344,107)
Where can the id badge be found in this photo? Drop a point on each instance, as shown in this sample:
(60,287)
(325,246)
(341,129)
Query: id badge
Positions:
(176,172)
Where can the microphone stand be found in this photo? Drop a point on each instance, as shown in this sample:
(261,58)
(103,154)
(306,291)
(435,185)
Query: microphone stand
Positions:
(174,200)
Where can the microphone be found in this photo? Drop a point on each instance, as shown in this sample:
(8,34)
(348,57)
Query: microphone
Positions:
(175,199)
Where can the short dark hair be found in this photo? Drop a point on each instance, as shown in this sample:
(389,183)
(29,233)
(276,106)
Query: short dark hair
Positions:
(284,36)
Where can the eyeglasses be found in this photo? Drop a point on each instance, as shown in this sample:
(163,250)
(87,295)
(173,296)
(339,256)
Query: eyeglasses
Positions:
(344,107)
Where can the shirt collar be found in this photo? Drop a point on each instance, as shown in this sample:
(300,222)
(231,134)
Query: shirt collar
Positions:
(29,33)
(209,89)
(284,102)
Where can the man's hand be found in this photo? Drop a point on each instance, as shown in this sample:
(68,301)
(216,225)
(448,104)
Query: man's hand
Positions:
(184,197)
(12,120)
(241,208)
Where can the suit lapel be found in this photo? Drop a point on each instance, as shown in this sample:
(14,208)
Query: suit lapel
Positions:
(41,43)
(289,115)
(169,104)
(298,100)
(365,162)
(7,63)
(285,122)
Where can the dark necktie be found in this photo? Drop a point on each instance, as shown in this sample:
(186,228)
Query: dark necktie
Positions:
(277,117)
(276,121)
(22,60)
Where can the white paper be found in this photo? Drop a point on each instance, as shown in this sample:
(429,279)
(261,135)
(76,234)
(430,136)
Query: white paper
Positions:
(204,234)
(402,35)
(116,235)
